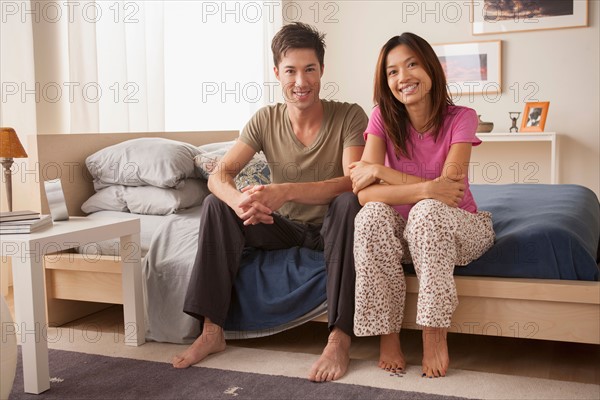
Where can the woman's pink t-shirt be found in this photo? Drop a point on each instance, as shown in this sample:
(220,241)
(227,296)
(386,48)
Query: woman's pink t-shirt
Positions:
(427,157)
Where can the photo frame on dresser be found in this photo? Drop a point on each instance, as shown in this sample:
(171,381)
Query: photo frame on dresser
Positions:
(534,116)
(494,16)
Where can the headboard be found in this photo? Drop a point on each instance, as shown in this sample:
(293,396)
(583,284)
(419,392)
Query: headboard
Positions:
(63,156)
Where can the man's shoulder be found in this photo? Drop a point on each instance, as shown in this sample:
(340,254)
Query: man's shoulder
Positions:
(337,106)
(271,109)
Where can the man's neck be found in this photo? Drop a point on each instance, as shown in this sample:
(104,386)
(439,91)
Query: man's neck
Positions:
(306,123)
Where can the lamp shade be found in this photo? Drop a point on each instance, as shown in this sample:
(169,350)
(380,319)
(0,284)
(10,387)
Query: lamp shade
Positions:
(10,146)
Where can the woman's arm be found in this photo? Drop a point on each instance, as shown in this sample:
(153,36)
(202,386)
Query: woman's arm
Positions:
(457,161)
(401,188)
(370,168)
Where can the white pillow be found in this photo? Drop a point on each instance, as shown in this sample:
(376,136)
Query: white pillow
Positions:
(146,161)
(148,199)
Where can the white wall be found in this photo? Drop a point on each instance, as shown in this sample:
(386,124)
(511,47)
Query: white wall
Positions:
(563,63)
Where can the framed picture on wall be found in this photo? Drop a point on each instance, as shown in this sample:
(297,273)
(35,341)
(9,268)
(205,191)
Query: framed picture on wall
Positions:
(471,68)
(498,16)
(534,116)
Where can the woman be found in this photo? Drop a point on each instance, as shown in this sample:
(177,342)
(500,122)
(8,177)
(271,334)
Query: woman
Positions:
(412,181)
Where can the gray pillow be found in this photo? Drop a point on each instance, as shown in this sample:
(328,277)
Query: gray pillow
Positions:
(148,199)
(140,162)
(256,172)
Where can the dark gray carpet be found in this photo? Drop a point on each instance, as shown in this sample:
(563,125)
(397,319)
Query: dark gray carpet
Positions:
(85,376)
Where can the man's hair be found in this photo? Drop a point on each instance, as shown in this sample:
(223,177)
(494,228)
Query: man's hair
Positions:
(298,36)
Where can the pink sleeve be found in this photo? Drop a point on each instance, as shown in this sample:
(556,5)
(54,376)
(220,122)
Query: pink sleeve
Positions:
(375,126)
(464,127)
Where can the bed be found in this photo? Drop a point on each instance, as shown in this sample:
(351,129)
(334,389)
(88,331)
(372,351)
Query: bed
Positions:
(525,303)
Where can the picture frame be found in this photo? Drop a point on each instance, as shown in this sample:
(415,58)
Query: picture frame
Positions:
(471,67)
(534,116)
(494,16)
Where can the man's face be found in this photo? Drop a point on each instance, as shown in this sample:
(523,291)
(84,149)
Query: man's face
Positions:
(299,73)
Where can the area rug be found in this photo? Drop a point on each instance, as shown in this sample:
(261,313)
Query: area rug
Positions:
(88,376)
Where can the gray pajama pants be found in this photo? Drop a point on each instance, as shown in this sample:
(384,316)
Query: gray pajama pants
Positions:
(435,238)
(223,237)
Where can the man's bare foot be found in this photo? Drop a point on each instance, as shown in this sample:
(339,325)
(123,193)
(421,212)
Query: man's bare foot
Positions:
(211,341)
(391,357)
(435,352)
(334,360)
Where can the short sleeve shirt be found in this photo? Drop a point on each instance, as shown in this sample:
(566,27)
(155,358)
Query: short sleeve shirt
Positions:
(426,156)
(270,131)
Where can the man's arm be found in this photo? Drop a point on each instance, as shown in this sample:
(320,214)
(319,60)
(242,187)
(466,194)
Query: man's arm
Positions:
(319,193)
(273,196)
(221,184)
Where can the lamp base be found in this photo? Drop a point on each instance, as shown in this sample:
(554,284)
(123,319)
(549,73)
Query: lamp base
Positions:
(7,164)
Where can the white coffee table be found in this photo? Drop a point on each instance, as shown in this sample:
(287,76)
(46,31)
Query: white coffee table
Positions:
(27,252)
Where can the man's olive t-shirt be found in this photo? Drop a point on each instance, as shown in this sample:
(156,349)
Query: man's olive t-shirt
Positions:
(270,131)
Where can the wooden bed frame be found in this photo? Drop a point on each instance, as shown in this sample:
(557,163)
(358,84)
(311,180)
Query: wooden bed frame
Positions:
(525,308)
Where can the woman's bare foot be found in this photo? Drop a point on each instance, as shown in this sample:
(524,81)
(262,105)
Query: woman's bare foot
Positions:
(211,341)
(391,357)
(334,360)
(435,352)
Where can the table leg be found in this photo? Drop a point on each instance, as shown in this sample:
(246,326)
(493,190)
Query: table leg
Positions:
(32,327)
(133,300)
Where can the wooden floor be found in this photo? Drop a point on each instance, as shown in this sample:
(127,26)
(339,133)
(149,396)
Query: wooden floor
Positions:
(525,357)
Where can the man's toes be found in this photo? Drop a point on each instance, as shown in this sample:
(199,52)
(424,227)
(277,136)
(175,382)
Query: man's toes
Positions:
(321,377)
(180,362)
(317,377)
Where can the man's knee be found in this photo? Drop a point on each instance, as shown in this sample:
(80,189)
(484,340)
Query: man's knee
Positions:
(212,202)
(346,202)
(212,207)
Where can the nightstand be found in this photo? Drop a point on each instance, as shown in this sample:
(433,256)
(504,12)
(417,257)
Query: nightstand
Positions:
(27,252)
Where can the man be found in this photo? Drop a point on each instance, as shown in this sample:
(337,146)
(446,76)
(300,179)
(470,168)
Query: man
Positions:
(309,144)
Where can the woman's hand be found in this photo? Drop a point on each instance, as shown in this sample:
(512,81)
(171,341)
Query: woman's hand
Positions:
(362,174)
(448,191)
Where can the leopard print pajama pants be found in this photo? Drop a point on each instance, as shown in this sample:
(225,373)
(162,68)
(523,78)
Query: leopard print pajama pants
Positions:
(435,238)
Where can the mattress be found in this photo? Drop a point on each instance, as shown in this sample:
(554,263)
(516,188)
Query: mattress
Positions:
(542,231)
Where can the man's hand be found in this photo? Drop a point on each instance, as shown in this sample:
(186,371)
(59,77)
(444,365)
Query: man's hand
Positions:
(362,174)
(262,199)
(251,211)
(446,190)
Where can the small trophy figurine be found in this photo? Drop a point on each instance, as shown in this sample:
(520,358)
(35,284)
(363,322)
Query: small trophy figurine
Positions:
(514,116)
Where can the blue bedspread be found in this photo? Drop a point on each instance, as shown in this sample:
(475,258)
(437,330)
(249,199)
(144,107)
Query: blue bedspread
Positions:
(542,231)
(275,287)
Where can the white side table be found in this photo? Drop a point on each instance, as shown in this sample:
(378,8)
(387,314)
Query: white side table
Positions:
(27,252)
(529,137)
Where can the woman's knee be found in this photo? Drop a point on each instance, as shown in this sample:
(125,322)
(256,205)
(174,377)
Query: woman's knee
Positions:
(425,215)
(372,212)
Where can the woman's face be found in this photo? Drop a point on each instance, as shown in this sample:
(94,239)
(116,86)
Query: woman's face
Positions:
(407,78)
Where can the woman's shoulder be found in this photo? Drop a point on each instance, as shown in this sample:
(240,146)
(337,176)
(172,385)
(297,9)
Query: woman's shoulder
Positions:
(456,111)
(460,113)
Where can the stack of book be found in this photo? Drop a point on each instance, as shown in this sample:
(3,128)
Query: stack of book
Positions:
(23,222)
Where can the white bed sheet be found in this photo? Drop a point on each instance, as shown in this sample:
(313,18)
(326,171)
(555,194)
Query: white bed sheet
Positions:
(149,224)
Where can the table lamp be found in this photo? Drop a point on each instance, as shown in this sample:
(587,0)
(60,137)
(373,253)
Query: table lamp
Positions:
(10,147)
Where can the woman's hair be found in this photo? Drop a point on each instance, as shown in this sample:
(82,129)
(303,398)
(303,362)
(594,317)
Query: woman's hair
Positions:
(394,113)
(298,36)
